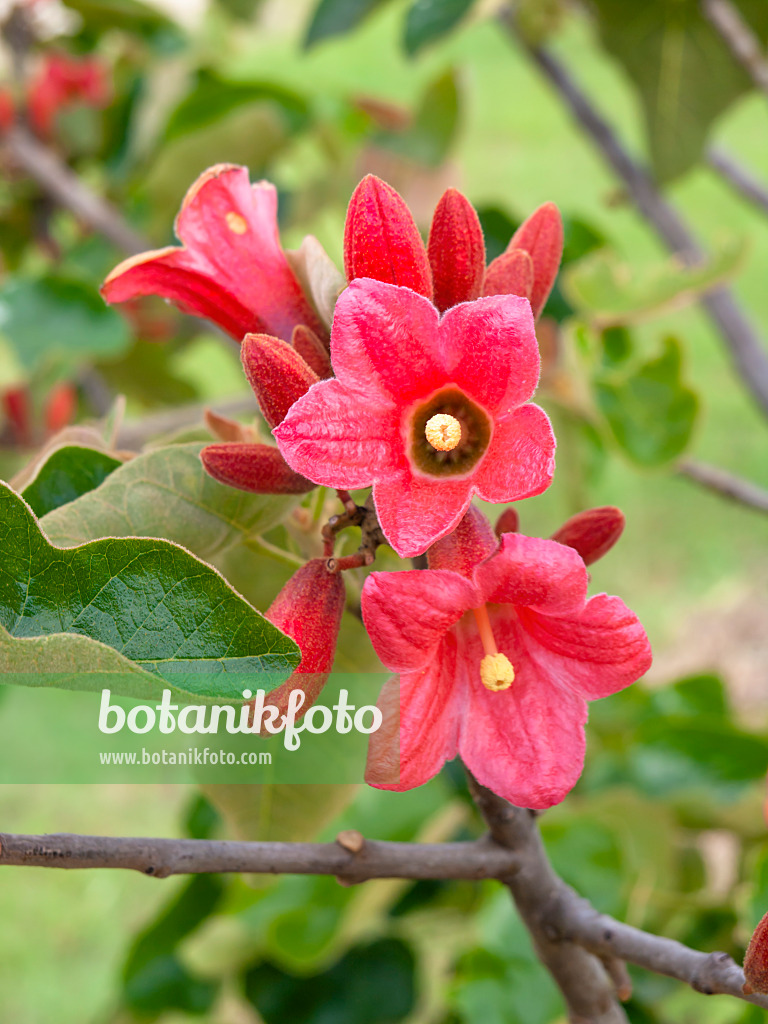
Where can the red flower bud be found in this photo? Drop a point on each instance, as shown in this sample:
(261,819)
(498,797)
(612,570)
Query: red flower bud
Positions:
(60,407)
(277,374)
(253,467)
(592,533)
(456,251)
(312,351)
(226,429)
(381,239)
(470,543)
(309,609)
(16,406)
(541,235)
(508,522)
(510,274)
(756,960)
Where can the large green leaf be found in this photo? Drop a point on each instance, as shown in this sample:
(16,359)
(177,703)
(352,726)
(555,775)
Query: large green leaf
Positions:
(336,17)
(58,319)
(149,600)
(650,411)
(65,475)
(684,73)
(428,20)
(167,493)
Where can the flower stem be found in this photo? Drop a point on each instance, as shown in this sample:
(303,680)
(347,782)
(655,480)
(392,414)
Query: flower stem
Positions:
(261,546)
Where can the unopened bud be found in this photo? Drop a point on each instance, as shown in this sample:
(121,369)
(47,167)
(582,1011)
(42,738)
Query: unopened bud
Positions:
(456,251)
(756,960)
(508,522)
(312,351)
(253,467)
(592,533)
(278,375)
(541,236)
(510,274)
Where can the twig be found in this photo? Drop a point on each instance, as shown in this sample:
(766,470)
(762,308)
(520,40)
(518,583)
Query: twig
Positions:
(133,435)
(586,987)
(741,180)
(553,910)
(66,188)
(164,857)
(725,484)
(744,344)
(739,38)
(261,546)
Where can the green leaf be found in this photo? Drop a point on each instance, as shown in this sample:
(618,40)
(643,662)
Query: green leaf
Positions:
(58,319)
(149,600)
(716,752)
(213,97)
(430,137)
(372,984)
(337,17)
(428,20)
(684,73)
(609,293)
(650,410)
(67,474)
(167,493)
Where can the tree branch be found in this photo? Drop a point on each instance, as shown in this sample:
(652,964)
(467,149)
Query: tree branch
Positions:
(66,189)
(725,484)
(744,344)
(739,38)
(741,180)
(350,861)
(587,989)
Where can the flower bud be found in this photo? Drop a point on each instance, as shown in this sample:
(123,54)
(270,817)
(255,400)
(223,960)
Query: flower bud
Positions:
(756,960)
(508,522)
(381,239)
(456,250)
(471,542)
(277,374)
(60,407)
(541,236)
(592,533)
(510,274)
(309,609)
(253,467)
(226,429)
(312,351)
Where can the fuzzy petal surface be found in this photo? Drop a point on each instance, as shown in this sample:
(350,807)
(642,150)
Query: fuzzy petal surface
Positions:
(415,511)
(407,614)
(231,269)
(329,437)
(534,573)
(520,461)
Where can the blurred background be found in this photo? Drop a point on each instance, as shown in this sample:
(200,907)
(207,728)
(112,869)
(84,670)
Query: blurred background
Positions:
(128,103)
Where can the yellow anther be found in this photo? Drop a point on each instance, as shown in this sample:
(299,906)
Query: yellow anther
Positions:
(236,223)
(443,432)
(496,672)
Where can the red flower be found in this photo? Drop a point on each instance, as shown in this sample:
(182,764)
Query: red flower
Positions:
(231,268)
(382,241)
(62,81)
(497,660)
(428,410)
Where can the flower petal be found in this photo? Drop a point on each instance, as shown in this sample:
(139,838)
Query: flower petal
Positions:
(456,251)
(334,439)
(430,708)
(533,573)
(386,339)
(525,743)
(232,269)
(382,241)
(597,651)
(415,511)
(520,460)
(490,350)
(407,614)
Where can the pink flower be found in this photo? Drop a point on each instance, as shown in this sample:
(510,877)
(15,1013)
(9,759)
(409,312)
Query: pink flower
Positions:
(496,659)
(428,410)
(231,268)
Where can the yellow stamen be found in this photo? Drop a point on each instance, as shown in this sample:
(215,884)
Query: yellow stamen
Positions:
(236,223)
(496,671)
(443,432)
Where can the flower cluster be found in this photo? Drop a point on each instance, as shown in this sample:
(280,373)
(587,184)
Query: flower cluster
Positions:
(415,380)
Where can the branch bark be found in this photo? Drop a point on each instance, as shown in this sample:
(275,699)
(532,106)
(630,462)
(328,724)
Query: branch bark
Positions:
(739,38)
(741,180)
(67,190)
(726,484)
(747,351)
